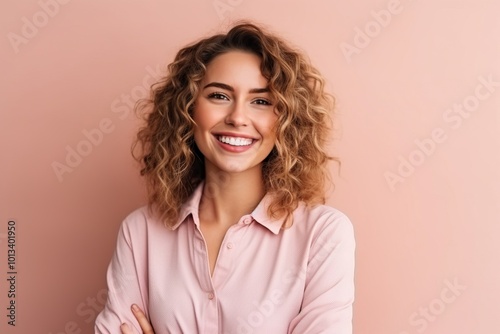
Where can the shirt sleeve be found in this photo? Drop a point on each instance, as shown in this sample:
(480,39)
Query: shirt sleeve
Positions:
(329,286)
(126,280)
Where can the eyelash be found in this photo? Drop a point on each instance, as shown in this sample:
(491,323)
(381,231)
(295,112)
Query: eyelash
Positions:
(221,96)
(266,102)
(218,96)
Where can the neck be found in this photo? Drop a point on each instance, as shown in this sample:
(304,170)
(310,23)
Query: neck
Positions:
(228,196)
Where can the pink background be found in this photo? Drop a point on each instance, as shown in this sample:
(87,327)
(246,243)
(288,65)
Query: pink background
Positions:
(396,69)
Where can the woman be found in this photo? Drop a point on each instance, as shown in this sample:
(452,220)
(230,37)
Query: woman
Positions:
(235,238)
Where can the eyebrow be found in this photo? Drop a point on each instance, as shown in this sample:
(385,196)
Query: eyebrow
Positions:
(231,89)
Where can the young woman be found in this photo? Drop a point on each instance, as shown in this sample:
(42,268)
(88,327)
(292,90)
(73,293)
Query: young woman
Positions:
(236,238)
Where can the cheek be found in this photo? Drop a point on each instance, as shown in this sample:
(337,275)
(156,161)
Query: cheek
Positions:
(269,126)
(197,112)
(199,129)
(205,116)
(200,119)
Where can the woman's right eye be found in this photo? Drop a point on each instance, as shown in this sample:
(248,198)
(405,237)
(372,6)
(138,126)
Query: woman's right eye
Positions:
(218,96)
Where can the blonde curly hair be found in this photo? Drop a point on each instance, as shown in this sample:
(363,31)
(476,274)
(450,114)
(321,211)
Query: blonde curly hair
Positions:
(295,171)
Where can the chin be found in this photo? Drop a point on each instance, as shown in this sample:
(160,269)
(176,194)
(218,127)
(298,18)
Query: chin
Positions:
(235,167)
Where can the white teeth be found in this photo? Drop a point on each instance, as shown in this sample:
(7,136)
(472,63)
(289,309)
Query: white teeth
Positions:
(235,141)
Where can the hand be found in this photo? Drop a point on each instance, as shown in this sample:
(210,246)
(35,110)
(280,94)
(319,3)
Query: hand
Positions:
(143,322)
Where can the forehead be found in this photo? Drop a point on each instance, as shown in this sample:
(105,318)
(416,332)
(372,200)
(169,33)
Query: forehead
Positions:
(236,68)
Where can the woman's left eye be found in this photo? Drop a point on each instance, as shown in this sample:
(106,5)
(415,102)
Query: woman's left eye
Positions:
(262,102)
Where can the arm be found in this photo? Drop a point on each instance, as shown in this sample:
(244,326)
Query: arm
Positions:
(126,278)
(329,289)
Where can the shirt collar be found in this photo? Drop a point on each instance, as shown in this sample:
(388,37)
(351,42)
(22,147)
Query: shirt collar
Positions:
(190,207)
(259,214)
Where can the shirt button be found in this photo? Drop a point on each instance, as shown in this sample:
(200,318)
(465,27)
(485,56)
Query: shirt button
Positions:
(230,245)
(211,296)
(247,221)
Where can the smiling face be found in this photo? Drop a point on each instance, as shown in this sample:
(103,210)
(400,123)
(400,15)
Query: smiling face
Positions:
(234,114)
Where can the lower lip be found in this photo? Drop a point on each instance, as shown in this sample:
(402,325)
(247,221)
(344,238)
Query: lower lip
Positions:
(235,149)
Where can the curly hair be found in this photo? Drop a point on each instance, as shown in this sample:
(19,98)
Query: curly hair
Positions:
(295,171)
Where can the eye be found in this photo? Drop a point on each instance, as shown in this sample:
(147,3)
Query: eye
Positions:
(218,96)
(262,102)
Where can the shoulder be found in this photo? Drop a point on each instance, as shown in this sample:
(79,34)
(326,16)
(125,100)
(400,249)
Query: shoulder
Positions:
(320,215)
(138,223)
(324,221)
(140,214)
(137,218)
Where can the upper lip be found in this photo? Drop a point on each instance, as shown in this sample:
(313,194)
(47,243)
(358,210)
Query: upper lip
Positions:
(233,134)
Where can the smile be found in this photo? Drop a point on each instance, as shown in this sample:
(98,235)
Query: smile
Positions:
(235,141)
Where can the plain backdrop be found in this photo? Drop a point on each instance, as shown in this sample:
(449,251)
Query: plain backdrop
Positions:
(417,85)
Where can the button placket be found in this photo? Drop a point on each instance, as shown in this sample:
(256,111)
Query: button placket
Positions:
(202,262)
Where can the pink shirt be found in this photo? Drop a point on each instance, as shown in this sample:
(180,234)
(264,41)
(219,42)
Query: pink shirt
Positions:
(266,280)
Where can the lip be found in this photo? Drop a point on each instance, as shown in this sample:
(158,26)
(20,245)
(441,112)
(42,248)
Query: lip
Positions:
(233,134)
(234,149)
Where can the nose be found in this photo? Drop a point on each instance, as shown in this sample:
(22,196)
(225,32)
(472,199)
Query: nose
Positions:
(237,115)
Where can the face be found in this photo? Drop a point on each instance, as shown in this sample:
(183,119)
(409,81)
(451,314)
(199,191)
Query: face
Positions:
(234,114)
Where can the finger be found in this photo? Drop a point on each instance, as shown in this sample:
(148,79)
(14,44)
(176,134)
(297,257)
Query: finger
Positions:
(125,329)
(143,321)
